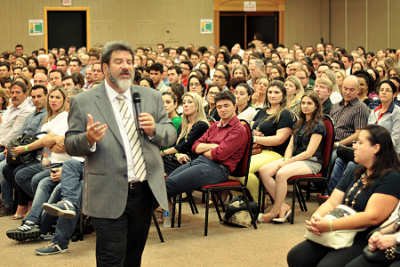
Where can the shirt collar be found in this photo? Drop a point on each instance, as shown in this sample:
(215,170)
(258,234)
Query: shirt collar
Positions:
(231,122)
(351,103)
(22,105)
(112,94)
(390,109)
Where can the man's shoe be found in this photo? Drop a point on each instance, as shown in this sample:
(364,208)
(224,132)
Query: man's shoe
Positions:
(63,208)
(51,249)
(27,231)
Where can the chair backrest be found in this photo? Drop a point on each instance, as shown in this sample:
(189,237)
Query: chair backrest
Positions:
(243,166)
(328,144)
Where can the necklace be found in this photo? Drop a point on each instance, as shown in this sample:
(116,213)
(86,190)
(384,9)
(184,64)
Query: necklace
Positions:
(360,184)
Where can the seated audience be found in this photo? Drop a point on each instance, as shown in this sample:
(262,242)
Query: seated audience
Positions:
(349,116)
(210,107)
(302,156)
(373,191)
(272,129)
(170,106)
(244,110)
(220,149)
(323,88)
(194,125)
(294,91)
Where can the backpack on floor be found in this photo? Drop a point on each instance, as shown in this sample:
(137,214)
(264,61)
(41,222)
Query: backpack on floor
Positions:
(236,213)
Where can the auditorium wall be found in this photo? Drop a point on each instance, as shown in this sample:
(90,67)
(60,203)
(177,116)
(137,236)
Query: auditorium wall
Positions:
(346,23)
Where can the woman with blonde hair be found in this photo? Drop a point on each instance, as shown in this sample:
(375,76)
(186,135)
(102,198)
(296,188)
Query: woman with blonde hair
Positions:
(259,97)
(295,91)
(323,87)
(55,125)
(336,95)
(194,125)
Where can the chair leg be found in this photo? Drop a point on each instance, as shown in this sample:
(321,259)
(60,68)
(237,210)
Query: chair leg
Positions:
(303,200)
(300,197)
(206,199)
(216,206)
(253,216)
(160,235)
(261,197)
(297,193)
(173,212)
(293,203)
(220,201)
(192,205)
(180,211)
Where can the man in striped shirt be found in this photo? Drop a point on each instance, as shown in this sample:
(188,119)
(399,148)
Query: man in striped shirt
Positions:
(349,117)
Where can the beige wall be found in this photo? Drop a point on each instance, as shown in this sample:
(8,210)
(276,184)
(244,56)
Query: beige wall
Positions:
(138,22)
(371,23)
(306,21)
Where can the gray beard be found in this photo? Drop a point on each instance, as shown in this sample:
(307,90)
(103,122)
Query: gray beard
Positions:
(123,84)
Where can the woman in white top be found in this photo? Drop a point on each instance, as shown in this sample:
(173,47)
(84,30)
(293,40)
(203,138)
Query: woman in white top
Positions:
(56,124)
(244,110)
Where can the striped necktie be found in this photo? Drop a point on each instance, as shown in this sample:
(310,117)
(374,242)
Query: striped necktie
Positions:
(133,137)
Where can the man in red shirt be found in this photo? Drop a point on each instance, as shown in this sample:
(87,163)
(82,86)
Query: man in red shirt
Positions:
(219,149)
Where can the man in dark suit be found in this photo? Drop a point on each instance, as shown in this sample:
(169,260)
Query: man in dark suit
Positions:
(123,175)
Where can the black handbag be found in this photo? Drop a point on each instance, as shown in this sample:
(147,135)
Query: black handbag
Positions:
(383,256)
(24,158)
(387,255)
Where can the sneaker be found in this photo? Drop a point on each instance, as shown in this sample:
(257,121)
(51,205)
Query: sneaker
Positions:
(27,231)
(47,237)
(51,249)
(63,208)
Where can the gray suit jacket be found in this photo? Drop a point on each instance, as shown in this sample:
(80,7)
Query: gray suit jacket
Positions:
(106,181)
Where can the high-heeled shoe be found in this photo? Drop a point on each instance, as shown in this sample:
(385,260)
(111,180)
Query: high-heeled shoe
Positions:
(17,217)
(284,218)
(266,218)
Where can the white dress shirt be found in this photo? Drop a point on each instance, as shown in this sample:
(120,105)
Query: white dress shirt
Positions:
(112,96)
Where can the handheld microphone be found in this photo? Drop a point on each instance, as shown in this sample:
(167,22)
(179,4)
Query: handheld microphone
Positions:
(136,103)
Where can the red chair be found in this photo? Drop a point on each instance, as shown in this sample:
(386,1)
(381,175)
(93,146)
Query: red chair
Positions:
(242,170)
(322,176)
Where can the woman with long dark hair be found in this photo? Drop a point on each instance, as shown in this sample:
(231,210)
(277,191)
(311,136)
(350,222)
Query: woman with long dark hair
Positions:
(372,190)
(272,128)
(302,156)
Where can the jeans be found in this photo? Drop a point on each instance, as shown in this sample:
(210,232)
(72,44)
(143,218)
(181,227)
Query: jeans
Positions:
(66,227)
(25,176)
(44,193)
(6,187)
(337,173)
(71,188)
(195,174)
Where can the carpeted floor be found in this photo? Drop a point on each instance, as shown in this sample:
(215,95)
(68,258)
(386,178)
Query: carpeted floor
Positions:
(185,246)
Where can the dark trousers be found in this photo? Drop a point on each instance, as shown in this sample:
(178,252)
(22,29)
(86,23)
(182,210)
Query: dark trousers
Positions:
(120,242)
(309,254)
(361,261)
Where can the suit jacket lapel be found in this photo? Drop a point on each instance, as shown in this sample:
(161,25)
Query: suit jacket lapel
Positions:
(105,109)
